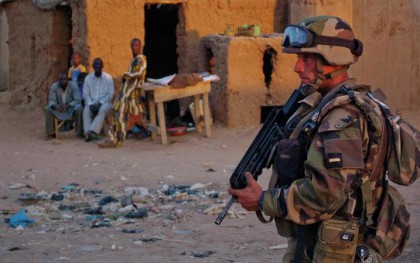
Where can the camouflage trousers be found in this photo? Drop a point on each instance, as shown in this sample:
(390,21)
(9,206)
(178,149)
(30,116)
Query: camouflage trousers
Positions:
(291,250)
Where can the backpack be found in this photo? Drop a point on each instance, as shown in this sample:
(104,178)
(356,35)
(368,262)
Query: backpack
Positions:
(404,147)
(387,229)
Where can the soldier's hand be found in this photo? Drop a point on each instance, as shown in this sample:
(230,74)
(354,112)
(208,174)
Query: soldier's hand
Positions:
(250,195)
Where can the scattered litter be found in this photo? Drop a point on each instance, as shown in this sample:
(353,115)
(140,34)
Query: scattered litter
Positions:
(115,247)
(32,198)
(57,197)
(105,222)
(93,192)
(36,210)
(79,208)
(202,254)
(16,248)
(206,165)
(132,231)
(67,188)
(95,211)
(139,213)
(197,186)
(20,219)
(148,239)
(126,200)
(66,207)
(17,186)
(141,191)
(19,229)
(280,246)
(107,199)
(94,217)
(212,193)
(214,209)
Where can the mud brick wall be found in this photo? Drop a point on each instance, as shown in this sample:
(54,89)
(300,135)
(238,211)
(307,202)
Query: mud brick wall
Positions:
(33,52)
(203,17)
(237,98)
(104,29)
(109,28)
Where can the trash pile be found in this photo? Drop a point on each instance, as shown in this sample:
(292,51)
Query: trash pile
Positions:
(95,208)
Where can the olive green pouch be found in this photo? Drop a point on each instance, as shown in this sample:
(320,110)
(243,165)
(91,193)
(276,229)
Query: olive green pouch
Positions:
(337,241)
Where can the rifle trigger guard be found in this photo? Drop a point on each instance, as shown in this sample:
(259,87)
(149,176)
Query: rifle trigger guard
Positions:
(262,219)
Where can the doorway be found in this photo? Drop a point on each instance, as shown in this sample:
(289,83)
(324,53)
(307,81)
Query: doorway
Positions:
(161,21)
(160,39)
(4,51)
(60,44)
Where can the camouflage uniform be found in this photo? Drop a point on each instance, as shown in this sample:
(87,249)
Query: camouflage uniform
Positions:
(341,155)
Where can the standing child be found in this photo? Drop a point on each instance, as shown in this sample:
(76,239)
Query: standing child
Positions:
(76,69)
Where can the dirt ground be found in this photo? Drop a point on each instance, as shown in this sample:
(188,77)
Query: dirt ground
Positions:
(176,230)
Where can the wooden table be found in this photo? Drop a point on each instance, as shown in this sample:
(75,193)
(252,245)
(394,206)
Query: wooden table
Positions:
(158,94)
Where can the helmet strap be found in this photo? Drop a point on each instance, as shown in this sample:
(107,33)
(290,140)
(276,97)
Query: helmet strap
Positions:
(321,76)
(320,68)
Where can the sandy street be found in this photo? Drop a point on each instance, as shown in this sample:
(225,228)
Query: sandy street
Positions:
(175,184)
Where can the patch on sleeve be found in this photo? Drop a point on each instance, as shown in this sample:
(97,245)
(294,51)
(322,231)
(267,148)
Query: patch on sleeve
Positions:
(334,160)
(343,153)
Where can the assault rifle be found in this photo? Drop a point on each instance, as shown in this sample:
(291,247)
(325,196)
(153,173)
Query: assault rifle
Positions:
(258,154)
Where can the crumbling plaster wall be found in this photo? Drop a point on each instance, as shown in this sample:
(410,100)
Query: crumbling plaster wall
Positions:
(237,98)
(32,54)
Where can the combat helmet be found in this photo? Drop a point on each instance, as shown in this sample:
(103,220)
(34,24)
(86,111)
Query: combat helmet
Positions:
(329,36)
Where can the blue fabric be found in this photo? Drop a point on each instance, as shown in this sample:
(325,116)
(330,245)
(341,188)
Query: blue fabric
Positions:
(135,129)
(20,219)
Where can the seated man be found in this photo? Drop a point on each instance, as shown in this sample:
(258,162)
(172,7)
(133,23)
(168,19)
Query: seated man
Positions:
(98,90)
(63,103)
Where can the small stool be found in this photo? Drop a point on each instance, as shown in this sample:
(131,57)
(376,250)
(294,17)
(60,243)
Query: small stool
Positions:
(57,125)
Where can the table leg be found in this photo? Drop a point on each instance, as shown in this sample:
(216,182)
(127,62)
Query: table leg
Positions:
(197,112)
(162,124)
(152,114)
(206,109)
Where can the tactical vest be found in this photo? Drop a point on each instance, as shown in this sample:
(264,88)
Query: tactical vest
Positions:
(394,154)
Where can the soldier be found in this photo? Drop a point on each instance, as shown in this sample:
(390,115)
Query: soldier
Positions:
(325,212)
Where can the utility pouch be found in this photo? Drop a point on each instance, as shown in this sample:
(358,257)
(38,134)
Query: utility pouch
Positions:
(337,241)
(289,160)
(391,235)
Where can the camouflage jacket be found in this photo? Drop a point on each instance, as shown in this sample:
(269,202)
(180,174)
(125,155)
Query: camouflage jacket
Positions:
(341,152)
